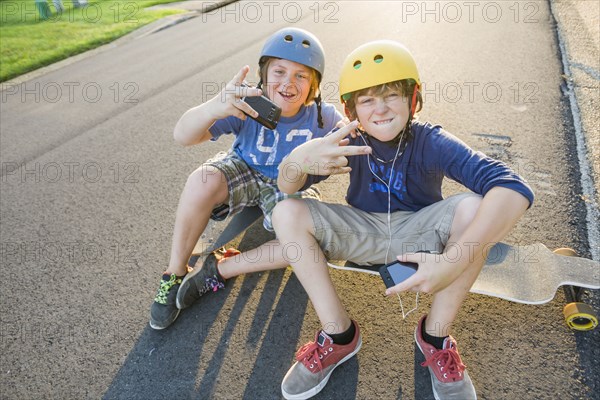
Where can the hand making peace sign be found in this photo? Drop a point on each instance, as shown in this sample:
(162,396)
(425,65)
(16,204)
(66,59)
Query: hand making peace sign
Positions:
(327,155)
(229,100)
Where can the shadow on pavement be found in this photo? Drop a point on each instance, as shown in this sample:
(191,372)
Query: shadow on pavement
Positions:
(423,389)
(165,364)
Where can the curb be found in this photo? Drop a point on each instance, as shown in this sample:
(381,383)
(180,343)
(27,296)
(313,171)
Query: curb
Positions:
(588,181)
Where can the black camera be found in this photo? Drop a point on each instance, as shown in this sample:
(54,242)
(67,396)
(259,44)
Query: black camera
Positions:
(268,112)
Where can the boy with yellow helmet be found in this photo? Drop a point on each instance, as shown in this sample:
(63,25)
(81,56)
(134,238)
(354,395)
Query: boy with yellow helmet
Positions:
(396,210)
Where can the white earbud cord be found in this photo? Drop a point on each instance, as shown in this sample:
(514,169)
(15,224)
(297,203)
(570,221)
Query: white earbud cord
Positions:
(389,215)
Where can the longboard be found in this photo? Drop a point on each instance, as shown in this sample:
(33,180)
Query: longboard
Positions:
(531,275)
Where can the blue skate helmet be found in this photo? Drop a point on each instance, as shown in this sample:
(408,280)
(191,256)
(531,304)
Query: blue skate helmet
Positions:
(296,45)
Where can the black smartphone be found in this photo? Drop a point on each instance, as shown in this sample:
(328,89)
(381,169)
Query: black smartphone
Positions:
(268,112)
(396,272)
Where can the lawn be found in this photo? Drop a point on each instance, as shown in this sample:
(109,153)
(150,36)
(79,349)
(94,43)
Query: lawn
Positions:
(28,42)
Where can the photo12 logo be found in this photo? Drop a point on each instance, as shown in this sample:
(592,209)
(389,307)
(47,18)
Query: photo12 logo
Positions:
(470,11)
(473,92)
(69,171)
(82,11)
(52,253)
(270,11)
(54,92)
(449,92)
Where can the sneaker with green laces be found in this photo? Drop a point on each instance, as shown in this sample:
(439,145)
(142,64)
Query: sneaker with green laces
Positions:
(200,281)
(164,311)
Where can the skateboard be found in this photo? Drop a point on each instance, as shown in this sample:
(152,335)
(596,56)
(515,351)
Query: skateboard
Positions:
(219,233)
(531,275)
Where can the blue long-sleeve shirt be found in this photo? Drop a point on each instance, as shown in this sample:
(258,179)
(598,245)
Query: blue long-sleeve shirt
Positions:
(416,181)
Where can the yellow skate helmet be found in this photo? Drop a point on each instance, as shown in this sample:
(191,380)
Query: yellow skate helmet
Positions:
(375,63)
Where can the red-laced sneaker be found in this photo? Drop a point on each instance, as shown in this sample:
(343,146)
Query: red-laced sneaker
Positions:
(315,361)
(449,377)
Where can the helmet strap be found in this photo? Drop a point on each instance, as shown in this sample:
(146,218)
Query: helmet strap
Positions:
(319,116)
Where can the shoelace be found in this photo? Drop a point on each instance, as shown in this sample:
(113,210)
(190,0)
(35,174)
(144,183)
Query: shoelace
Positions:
(311,353)
(165,286)
(448,361)
(211,283)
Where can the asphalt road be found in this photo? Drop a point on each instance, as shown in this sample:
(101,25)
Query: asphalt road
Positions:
(91,178)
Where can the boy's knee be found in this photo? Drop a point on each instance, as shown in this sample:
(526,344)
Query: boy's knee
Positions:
(289,212)
(465,213)
(206,175)
(208,182)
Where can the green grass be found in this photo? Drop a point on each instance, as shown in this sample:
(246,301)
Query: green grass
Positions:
(27,42)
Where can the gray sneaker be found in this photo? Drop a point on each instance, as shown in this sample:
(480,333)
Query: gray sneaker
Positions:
(199,281)
(164,311)
(449,377)
(315,361)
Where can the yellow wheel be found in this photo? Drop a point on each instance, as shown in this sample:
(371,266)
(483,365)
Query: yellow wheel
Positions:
(566,251)
(580,317)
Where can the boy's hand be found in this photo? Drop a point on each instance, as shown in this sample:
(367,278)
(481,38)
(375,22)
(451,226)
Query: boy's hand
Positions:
(435,273)
(327,155)
(229,101)
(342,123)
(345,121)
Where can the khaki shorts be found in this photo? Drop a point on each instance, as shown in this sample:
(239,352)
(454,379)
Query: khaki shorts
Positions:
(249,188)
(347,233)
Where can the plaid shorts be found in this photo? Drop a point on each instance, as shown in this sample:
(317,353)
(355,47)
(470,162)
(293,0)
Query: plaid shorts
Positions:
(249,188)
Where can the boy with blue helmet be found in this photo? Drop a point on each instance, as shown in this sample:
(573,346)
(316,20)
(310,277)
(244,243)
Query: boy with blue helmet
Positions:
(396,210)
(291,66)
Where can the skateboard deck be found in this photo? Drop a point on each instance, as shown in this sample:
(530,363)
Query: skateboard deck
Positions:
(218,233)
(532,274)
(523,274)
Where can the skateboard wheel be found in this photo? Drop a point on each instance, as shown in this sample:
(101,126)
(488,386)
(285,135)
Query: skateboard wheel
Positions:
(580,317)
(566,251)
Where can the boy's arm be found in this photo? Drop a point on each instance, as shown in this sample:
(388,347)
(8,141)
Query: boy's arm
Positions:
(498,213)
(192,127)
(474,170)
(322,156)
(291,178)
